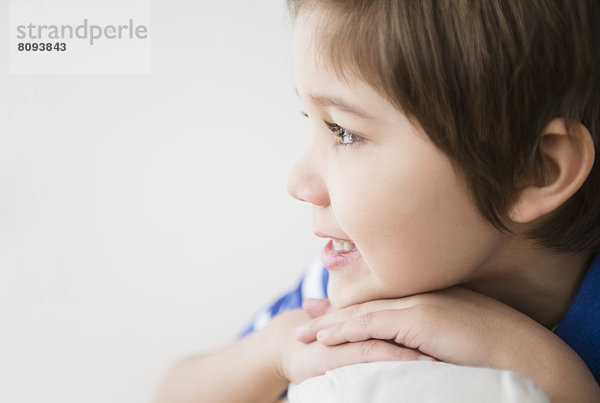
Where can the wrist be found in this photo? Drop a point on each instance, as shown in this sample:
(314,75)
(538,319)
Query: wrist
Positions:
(274,338)
(281,341)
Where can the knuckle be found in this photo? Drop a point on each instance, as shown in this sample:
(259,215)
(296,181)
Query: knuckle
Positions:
(421,319)
(422,312)
(366,319)
(371,305)
(354,310)
(367,348)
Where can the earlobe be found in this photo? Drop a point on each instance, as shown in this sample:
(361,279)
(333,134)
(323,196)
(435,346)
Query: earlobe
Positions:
(568,159)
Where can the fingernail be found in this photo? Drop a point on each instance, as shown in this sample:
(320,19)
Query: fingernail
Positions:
(425,358)
(301,330)
(323,334)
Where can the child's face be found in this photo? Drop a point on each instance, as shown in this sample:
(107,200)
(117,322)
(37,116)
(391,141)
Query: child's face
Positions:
(393,194)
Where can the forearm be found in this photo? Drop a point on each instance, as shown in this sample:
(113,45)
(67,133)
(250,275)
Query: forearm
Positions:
(245,371)
(559,371)
(571,382)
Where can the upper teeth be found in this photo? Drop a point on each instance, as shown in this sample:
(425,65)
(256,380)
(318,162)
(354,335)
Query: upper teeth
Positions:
(339,245)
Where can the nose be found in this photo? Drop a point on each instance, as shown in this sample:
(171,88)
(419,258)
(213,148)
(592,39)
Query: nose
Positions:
(305,183)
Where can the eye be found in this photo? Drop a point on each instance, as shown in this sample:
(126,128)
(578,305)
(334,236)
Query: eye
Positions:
(345,137)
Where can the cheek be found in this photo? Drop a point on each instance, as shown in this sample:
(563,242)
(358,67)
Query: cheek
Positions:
(416,228)
(409,205)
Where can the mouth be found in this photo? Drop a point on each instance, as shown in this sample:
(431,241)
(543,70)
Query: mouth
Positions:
(340,245)
(339,253)
(339,240)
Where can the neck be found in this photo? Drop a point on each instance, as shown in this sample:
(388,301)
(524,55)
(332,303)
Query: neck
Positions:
(540,284)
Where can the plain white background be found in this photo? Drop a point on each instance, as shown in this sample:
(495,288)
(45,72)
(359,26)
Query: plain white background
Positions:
(145,217)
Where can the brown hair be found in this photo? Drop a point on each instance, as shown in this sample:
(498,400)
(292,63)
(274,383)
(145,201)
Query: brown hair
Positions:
(482,78)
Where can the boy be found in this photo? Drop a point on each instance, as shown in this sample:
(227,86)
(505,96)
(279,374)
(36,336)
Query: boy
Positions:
(451,161)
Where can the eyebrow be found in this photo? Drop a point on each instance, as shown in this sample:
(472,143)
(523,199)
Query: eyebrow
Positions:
(327,100)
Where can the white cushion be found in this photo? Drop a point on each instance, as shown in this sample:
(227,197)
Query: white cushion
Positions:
(416,381)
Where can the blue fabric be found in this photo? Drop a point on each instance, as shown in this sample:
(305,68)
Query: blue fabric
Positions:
(325,278)
(315,276)
(580,328)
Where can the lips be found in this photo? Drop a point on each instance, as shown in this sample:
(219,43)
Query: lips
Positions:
(335,260)
(326,235)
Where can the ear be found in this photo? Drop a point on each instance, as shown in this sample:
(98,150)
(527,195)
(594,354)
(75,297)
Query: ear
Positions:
(568,159)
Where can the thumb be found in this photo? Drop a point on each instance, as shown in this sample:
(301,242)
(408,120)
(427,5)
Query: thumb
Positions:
(316,307)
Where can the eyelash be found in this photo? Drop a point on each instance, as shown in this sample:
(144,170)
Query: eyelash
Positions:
(340,133)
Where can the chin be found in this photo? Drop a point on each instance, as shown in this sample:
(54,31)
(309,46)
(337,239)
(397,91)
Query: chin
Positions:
(340,299)
(337,299)
(343,296)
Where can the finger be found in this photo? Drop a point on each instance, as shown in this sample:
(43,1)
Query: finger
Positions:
(308,331)
(316,307)
(355,353)
(400,325)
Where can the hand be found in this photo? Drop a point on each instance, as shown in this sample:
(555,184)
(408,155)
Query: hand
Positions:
(462,327)
(298,361)
(456,325)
